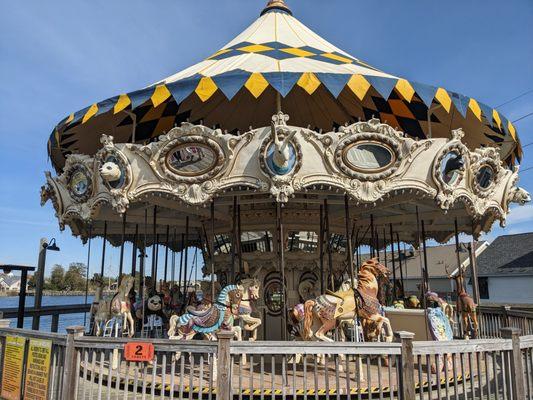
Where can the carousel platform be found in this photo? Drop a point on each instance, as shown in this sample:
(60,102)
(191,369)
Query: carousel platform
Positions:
(191,384)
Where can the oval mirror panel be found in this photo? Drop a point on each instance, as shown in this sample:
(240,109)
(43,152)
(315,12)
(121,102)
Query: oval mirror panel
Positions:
(79,183)
(191,159)
(451,167)
(368,156)
(485,176)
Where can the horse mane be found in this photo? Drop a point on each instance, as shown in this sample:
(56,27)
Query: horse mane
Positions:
(221,299)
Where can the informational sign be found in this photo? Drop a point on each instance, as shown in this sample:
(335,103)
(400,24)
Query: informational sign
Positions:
(37,369)
(12,367)
(138,351)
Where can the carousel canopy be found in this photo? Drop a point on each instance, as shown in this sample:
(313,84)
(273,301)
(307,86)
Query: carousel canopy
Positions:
(276,63)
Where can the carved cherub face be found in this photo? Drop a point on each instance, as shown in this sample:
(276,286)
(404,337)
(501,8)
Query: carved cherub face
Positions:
(110,171)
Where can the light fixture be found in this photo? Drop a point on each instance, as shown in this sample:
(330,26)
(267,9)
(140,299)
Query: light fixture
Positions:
(52,246)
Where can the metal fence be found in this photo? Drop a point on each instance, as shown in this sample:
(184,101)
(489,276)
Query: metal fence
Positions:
(95,368)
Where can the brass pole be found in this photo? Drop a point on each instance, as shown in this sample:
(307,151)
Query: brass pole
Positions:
(104,240)
(349,250)
(211,244)
(166,253)
(279,215)
(393,264)
(328,247)
(123,239)
(186,256)
(321,248)
(154,248)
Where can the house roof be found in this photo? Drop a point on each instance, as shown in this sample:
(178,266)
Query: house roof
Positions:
(9,280)
(508,255)
(438,257)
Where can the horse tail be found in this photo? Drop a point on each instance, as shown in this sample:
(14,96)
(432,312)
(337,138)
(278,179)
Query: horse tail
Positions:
(308,318)
(172,325)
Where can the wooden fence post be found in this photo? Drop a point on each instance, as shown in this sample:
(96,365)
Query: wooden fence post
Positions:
(407,372)
(517,369)
(224,365)
(506,320)
(70,380)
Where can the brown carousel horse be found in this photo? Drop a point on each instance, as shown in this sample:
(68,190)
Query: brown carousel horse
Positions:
(466,307)
(322,314)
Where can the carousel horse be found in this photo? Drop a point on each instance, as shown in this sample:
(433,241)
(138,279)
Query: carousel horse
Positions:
(433,299)
(100,315)
(220,315)
(250,286)
(322,314)
(118,305)
(466,307)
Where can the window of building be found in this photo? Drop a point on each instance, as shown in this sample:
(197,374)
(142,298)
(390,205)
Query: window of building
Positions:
(483,284)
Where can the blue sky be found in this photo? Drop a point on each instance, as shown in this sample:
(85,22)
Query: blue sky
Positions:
(60,56)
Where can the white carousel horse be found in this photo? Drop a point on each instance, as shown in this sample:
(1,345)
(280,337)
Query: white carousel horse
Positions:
(251,287)
(119,305)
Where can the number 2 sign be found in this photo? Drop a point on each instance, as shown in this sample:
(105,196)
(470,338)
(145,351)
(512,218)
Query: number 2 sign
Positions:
(138,351)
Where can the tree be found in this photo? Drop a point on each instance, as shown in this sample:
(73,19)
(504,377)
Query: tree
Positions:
(75,277)
(32,282)
(57,278)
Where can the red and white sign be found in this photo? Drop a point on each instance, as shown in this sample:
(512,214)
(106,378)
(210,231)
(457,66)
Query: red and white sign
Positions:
(138,351)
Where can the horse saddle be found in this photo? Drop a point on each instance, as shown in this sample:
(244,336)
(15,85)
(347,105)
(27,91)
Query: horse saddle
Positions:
(368,303)
(346,303)
(198,313)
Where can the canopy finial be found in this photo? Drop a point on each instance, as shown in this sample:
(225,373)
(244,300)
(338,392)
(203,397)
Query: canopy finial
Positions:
(276,5)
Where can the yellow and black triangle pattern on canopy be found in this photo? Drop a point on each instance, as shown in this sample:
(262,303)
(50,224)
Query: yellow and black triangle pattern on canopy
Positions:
(320,85)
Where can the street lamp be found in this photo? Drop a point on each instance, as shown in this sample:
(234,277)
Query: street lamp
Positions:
(39,281)
(52,246)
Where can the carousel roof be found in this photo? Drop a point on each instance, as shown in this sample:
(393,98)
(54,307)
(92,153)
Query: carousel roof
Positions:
(279,62)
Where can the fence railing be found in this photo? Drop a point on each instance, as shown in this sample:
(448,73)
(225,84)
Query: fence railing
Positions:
(493,318)
(95,368)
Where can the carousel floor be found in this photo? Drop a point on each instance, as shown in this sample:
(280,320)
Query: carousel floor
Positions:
(249,381)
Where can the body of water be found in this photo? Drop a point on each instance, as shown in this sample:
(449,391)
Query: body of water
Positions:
(46,321)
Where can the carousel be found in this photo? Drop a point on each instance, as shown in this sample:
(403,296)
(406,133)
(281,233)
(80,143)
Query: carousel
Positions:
(281,159)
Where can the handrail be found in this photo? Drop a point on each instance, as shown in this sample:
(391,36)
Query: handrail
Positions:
(47,310)
(56,338)
(293,347)
(461,346)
